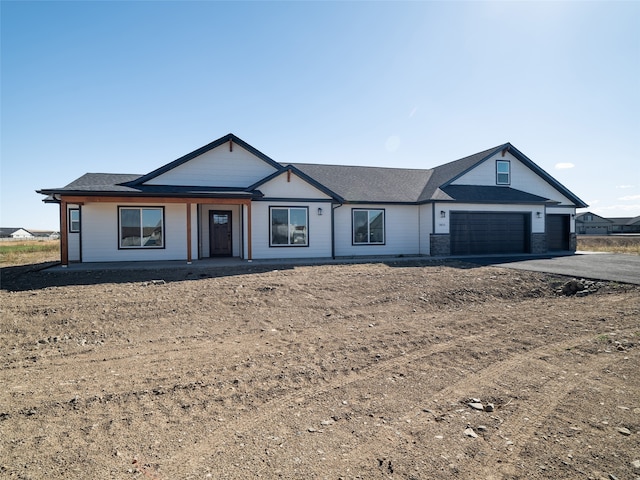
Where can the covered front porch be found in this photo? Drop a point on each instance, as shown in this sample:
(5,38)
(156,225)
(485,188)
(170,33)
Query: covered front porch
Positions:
(200,227)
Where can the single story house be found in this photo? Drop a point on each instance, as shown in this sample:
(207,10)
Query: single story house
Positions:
(229,199)
(21,234)
(588,223)
(625,225)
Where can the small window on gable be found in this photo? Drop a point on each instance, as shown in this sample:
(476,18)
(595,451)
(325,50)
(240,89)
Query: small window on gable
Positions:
(74,220)
(503,172)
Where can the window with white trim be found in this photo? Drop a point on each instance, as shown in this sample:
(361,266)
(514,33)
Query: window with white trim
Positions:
(368,226)
(141,227)
(74,220)
(289,226)
(503,172)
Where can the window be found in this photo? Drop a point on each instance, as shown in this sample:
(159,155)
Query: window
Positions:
(368,227)
(141,227)
(503,172)
(74,220)
(289,226)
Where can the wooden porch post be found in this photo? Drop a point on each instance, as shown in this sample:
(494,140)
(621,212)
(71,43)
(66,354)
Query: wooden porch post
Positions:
(64,234)
(188,233)
(249,256)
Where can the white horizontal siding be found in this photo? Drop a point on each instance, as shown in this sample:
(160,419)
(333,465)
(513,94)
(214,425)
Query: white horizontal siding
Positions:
(402,231)
(100,236)
(73,239)
(319,231)
(522,178)
(218,168)
(426,228)
(290,186)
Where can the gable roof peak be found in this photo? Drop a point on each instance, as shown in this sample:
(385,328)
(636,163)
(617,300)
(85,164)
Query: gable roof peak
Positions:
(235,140)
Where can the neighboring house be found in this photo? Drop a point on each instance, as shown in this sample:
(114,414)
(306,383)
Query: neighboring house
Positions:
(5,232)
(21,233)
(229,199)
(45,234)
(588,223)
(625,225)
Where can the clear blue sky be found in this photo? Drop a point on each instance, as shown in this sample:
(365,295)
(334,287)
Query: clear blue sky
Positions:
(125,87)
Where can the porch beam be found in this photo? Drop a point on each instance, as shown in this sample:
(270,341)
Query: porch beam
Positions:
(197,200)
(64,235)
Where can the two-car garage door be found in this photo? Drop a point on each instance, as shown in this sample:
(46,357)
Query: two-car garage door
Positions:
(481,233)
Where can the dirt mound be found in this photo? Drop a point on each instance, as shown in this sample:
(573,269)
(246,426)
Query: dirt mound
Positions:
(342,371)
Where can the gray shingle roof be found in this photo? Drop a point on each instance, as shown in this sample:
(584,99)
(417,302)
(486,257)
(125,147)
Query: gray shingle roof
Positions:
(355,184)
(487,194)
(369,184)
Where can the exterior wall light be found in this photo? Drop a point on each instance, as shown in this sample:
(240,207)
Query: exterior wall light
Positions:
(443,214)
(319,211)
(538,214)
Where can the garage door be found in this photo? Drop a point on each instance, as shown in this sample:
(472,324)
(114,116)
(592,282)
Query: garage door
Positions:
(481,233)
(558,232)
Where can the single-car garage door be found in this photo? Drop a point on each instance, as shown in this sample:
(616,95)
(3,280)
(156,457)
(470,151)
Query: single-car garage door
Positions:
(558,232)
(481,233)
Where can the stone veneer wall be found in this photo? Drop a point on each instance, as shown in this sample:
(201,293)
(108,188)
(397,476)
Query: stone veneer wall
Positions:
(440,245)
(573,242)
(538,243)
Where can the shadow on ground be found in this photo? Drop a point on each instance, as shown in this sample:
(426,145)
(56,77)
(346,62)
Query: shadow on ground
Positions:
(42,275)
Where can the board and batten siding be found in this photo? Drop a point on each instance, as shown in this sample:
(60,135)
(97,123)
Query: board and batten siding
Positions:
(402,231)
(100,236)
(217,168)
(522,178)
(319,231)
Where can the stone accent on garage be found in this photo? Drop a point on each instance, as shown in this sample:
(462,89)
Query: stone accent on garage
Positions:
(538,243)
(440,245)
(573,242)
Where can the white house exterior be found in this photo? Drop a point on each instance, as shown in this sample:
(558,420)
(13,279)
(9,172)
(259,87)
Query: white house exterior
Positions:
(229,199)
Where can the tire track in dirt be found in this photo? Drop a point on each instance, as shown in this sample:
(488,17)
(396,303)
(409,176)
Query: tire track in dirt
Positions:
(520,429)
(531,413)
(270,409)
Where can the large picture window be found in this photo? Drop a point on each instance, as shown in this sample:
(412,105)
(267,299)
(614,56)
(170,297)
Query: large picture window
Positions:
(503,172)
(289,226)
(141,227)
(368,227)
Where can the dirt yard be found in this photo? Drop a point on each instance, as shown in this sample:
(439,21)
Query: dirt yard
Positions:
(338,372)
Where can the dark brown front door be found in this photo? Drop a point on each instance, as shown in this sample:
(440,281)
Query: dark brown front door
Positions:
(220,233)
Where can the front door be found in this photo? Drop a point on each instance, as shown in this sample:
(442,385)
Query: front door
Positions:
(220,233)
